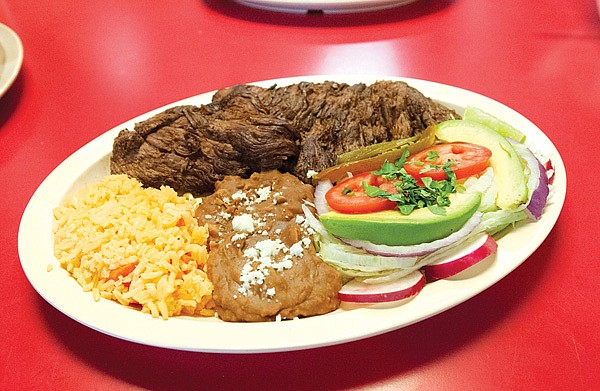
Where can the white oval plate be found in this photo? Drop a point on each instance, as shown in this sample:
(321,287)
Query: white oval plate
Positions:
(91,163)
(327,6)
(11,57)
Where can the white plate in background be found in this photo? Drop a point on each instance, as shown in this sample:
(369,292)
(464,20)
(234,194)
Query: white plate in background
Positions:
(326,6)
(11,57)
(91,163)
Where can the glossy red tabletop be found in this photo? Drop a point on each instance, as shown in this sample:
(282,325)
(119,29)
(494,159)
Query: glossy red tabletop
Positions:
(89,66)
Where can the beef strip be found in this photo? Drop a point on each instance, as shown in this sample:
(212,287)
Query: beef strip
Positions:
(262,262)
(190,148)
(246,129)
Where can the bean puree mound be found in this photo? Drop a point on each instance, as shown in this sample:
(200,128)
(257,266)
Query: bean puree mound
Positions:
(262,261)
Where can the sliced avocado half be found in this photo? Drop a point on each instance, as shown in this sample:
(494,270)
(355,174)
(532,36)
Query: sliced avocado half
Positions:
(395,229)
(508,170)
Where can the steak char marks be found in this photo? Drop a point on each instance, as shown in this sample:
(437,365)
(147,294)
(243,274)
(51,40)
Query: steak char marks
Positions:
(246,129)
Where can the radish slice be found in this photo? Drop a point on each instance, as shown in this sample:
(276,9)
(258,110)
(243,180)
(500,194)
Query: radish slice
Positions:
(357,291)
(460,258)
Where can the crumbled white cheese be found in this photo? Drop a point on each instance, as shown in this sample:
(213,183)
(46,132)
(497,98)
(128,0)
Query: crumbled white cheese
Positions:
(306,242)
(239,236)
(251,252)
(285,263)
(249,277)
(276,196)
(296,249)
(269,247)
(311,173)
(260,258)
(243,223)
(263,194)
(239,195)
(300,219)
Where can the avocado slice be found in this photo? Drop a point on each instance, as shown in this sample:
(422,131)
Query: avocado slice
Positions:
(508,171)
(392,228)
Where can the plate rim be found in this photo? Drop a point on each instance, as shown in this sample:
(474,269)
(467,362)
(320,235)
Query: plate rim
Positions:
(252,337)
(327,6)
(12,46)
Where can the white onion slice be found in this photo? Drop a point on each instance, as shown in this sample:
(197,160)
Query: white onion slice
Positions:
(317,226)
(421,248)
(320,202)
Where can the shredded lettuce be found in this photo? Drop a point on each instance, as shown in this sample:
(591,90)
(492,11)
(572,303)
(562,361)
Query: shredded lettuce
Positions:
(486,185)
(494,222)
(361,260)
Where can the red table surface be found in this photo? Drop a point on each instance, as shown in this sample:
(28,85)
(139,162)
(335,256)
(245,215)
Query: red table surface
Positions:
(90,66)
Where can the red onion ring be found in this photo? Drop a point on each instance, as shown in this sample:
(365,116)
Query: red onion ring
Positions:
(538,180)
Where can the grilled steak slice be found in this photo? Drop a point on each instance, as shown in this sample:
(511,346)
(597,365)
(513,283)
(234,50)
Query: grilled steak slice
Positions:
(190,148)
(248,129)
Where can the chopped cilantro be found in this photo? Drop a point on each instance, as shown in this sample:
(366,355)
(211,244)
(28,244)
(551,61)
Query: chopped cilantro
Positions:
(391,171)
(432,156)
(429,167)
(411,196)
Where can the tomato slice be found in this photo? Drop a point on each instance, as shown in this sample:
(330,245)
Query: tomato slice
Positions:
(469,159)
(349,195)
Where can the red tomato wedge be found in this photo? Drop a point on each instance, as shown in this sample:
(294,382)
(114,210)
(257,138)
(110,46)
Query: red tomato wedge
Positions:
(349,195)
(469,159)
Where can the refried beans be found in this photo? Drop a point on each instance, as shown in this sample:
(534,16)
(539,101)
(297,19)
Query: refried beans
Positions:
(262,261)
